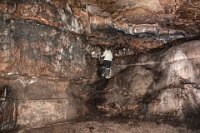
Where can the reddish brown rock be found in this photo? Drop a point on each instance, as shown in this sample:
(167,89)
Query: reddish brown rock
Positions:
(50,51)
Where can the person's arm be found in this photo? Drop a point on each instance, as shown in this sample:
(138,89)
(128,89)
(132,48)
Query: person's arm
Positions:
(103,55)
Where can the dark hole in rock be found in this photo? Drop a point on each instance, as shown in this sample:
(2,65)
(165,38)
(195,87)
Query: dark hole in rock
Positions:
(7,109)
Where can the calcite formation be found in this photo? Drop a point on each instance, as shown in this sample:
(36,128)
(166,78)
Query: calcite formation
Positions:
(50,58)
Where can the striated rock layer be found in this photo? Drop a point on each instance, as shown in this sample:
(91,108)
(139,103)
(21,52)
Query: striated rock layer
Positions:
(50,57)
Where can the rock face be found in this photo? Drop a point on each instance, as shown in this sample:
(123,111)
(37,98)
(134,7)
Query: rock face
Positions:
(170,88)
(41,65)
(50,56)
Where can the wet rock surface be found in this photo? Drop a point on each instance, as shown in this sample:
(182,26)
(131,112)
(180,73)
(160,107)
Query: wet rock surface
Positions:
(50,58)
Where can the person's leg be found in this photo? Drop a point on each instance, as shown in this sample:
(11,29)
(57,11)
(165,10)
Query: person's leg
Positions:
(105,68)
(107,72)
(107,63)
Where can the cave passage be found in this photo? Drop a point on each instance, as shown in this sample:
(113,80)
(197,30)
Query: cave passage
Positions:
(52,75)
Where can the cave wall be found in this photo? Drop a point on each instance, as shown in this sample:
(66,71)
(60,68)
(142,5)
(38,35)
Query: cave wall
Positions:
(49,53)
(42,65)
(161,86)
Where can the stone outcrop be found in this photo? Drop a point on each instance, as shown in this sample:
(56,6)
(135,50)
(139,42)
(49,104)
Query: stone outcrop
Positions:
(170,88)
(50,57)
(157,21)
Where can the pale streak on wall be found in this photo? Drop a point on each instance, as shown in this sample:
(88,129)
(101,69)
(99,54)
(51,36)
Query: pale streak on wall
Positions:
(181,67)
(33,113)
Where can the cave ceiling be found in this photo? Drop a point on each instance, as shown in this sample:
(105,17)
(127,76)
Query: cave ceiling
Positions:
(142,25)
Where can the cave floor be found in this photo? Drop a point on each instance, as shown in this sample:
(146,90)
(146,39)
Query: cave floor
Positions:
(95,123)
